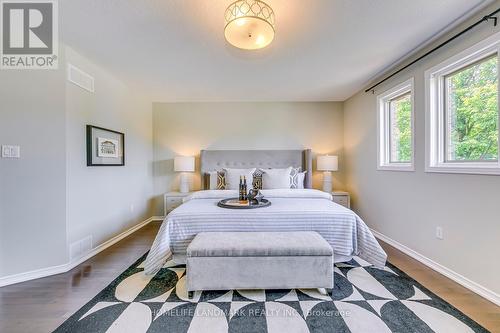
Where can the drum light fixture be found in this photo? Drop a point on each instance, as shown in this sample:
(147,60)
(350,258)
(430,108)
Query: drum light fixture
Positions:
(249,24)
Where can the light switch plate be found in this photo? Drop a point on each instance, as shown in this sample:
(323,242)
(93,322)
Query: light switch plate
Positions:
(11,151)
(15,152)
(439,233)
(5,151)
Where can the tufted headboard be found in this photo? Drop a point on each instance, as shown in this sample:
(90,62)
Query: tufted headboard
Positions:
(212,160)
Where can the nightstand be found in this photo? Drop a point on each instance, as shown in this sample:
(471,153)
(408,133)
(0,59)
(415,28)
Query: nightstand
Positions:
(172,200)
(342,198)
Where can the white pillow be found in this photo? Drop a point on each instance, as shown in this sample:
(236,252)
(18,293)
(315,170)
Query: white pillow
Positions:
(233,178)
(212,180)
(276,178)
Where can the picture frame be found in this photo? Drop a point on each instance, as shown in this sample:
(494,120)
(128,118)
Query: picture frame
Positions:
(105,147)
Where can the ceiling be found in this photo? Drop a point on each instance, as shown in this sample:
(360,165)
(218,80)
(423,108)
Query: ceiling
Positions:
(324,50)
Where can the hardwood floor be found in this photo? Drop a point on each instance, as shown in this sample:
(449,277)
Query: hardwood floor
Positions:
(42,305)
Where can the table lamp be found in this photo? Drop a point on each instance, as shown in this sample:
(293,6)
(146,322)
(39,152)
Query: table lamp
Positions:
(327,164)
(184,164)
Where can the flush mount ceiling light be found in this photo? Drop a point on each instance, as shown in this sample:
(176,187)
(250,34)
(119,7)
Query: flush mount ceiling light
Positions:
(249,24)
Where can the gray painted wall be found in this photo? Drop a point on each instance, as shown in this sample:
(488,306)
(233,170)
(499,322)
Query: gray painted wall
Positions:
(186,128)
(407,206)
(105,201)
(32,188)
(49,198)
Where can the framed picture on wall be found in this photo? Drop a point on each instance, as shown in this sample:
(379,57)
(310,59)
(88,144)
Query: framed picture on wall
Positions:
(105,147)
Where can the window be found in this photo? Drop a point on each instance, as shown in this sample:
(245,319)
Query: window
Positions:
(395,128)
(462,112)
(471,109)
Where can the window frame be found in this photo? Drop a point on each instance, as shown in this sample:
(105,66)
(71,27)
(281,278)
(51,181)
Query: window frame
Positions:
(384,138)
(436,112)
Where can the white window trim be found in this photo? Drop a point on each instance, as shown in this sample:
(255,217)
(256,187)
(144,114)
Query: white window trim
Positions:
(383,132)
(434,110)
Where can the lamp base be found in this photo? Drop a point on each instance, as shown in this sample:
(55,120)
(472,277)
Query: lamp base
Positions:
(327,181)
(184,183)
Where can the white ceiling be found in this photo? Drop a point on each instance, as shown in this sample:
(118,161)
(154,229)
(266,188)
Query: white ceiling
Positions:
(324,50)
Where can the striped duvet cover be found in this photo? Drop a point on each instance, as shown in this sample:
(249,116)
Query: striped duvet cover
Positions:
(291,210)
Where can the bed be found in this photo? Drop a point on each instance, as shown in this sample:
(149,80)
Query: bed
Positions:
(291,210)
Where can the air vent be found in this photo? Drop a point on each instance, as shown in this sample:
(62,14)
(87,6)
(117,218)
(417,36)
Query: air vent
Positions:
(80,78)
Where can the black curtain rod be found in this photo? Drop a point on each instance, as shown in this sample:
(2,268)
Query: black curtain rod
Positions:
(486,18)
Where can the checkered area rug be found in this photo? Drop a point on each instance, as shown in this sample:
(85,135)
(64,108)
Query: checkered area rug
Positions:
(365,299)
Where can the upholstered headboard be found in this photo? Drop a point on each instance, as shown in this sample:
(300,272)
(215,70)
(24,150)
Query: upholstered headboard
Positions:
(211,160)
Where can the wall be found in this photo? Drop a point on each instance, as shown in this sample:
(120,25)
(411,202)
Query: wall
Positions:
(105,201)
(186,128)
(32,188)
(407,206)
(49,198)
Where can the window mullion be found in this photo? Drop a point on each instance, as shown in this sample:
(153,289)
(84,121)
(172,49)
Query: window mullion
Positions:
(498,106)
(387,141)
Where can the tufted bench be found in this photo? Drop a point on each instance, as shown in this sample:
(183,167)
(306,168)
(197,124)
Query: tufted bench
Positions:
(259,260)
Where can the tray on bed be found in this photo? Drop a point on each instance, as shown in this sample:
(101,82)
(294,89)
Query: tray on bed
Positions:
(234,203)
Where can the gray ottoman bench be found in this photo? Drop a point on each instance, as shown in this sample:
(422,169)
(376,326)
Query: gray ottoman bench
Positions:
(259,260)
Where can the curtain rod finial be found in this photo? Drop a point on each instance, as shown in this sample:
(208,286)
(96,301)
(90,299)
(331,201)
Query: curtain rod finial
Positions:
(491,17)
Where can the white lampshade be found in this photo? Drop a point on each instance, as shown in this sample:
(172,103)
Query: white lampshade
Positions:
(184,163)
(327,163)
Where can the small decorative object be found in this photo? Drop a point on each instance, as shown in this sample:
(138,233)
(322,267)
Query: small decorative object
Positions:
(327,163)
(244,189)
(184,164)
(249,24)
(235,203)
(255,196)
(105,147)
(241,192)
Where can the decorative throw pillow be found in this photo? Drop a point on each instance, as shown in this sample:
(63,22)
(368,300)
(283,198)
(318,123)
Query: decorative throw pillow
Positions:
(257,179)
(276,178)
(221,180)
(217,180)
(301,176)
(294,178)
(233,177)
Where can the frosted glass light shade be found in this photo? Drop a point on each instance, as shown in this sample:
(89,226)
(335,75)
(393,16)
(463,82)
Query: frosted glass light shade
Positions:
(184,163)
(249,24)
(327,163)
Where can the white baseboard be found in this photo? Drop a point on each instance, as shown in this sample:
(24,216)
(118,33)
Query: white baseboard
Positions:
(72,264)
(460,279)
(31,275)
(53,270)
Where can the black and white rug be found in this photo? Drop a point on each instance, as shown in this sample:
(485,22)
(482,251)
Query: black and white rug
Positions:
(365,299)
